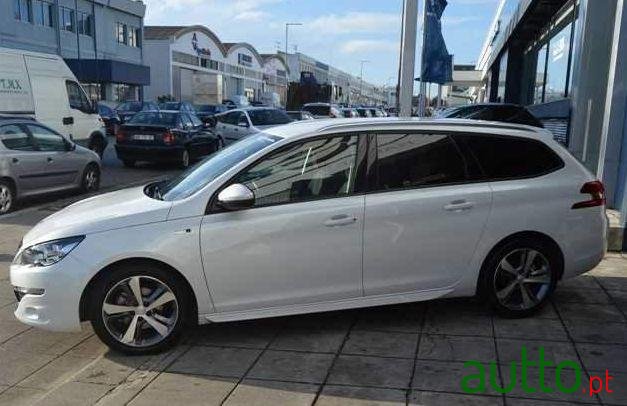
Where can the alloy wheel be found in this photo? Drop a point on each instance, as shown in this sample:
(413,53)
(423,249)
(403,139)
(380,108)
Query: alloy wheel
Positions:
(91,179)
(522,279)
(140,311)
(185,159)
(6,199)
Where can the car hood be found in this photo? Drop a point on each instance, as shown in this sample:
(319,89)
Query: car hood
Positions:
(109,211)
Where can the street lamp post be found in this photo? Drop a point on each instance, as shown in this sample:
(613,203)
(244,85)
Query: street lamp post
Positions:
(287,30)
(361,80)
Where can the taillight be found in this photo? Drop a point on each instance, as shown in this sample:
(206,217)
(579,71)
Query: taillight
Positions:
(168,138)
(120,135)
(596,190)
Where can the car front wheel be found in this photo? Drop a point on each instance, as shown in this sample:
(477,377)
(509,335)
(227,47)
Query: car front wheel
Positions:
(520,276)
(140,309)
(91,179)
(7,197)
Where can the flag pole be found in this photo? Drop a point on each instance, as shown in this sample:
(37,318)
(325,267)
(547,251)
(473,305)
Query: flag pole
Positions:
(407,61)
(423,84)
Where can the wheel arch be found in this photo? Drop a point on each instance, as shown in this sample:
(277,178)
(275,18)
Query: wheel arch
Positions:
(529,234)
(84,305)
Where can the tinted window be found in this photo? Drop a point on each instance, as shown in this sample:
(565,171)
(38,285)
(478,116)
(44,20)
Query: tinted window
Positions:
(14,137)
(318,110)
(195,120)
(171,106)
(154,118)
(104,110)
(415,160)
(46,140)
(268,117)
(509,157)
(315,169)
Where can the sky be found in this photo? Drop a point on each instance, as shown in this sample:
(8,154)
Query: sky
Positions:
(341,33)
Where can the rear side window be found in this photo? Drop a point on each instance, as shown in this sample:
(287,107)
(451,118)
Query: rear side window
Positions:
(407,161)
(510,157)
(15,138)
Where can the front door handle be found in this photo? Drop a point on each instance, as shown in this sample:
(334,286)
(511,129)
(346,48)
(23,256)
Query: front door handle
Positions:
(340,220)
(68,120)
(459,205)
(15,160)
(49,159)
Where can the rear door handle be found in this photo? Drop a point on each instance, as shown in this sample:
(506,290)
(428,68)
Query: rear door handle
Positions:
(340,220)
(459,205)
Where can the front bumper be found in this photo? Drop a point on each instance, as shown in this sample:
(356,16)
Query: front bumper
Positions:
(57,308)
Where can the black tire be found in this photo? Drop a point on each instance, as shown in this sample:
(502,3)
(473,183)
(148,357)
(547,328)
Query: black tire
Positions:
(545,266)
(97,145)
(185,159)
(128,163)
(91,178)
(148,273)
(7,197)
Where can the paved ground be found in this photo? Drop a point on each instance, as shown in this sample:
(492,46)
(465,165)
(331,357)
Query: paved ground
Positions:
(410,354)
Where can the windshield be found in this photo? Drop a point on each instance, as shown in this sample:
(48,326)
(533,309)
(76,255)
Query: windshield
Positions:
(130,106)
(204,172)
(206,108)
(154,118)
(268,117)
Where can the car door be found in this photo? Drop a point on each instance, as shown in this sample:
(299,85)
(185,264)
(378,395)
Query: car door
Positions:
(202,140)
(81,120)
(242,127)
(21,159)
(424,213)
(301,243)
(225,126)
(62,166)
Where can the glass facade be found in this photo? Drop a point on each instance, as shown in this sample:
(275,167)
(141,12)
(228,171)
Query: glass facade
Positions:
(557,69)
(538,86)
(500,93)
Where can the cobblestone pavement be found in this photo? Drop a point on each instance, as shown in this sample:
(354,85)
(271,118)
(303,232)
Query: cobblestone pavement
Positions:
(408,354)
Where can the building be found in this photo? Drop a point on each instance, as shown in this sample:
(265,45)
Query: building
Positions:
(460,91)
(567,61)
(345,88)
(190,63)
(101,40)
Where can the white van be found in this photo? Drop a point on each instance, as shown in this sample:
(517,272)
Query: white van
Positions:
(42,85)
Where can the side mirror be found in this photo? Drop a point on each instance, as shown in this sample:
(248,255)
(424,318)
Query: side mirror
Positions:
(236,197)
(69,145)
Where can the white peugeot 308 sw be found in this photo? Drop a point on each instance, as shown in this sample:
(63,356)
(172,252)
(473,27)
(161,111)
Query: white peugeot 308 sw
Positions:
(318,216)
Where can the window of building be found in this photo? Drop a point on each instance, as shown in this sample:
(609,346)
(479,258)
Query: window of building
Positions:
(123,92)
(133,37)
(538,92)
(94,91)
(22,10)
(181,57)
(42,13)
(500,93)
(557,65)
(417,160)
(85,24)
(122,33)
(66,19)
(323,168)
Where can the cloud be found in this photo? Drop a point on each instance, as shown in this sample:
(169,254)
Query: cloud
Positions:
(251,16)
(369,46)
(355,22)
(161,11)
(458,20)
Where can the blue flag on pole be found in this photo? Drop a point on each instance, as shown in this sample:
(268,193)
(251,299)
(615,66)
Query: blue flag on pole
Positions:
(437,63)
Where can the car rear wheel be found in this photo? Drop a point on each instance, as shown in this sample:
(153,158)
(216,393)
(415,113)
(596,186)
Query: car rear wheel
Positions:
(7,197)
(141,309)
(519,277)
(91,179)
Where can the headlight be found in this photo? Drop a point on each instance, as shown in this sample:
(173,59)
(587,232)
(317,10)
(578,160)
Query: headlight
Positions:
(47,253)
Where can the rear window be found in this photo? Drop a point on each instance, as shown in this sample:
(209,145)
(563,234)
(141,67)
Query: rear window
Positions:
(130,106)
(510,157)
(154,118)
(318,110)
(268,117)
(170,106)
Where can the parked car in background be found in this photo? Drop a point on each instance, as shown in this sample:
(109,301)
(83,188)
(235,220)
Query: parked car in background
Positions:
(364,112)
(178,106)
(300,115)
(376,112)
(323,110)
(506,113)
(110,118)
(391,112)
(35,159)
(206,112)
(230,104)
(127,110)
(164,136)
(50,93)
(349,113)
(291,221)
(239,123)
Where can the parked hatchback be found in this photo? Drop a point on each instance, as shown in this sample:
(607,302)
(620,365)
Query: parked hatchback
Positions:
(239,123)
(319,216)
(127,110)
(164,136)
(34,160)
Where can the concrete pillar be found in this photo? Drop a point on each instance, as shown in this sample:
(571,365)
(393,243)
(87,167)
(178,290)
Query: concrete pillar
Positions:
(408,56)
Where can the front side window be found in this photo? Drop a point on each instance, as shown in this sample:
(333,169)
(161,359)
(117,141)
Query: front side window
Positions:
(510,157)
(323,168)
(406,161)
(45,139)
(15,138)
(77,97)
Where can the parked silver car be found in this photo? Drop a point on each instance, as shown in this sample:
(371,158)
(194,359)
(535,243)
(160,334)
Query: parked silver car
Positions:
(236,124)
(34,159)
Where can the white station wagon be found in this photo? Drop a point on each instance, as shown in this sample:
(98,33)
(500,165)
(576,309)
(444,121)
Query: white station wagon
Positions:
(317,216)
